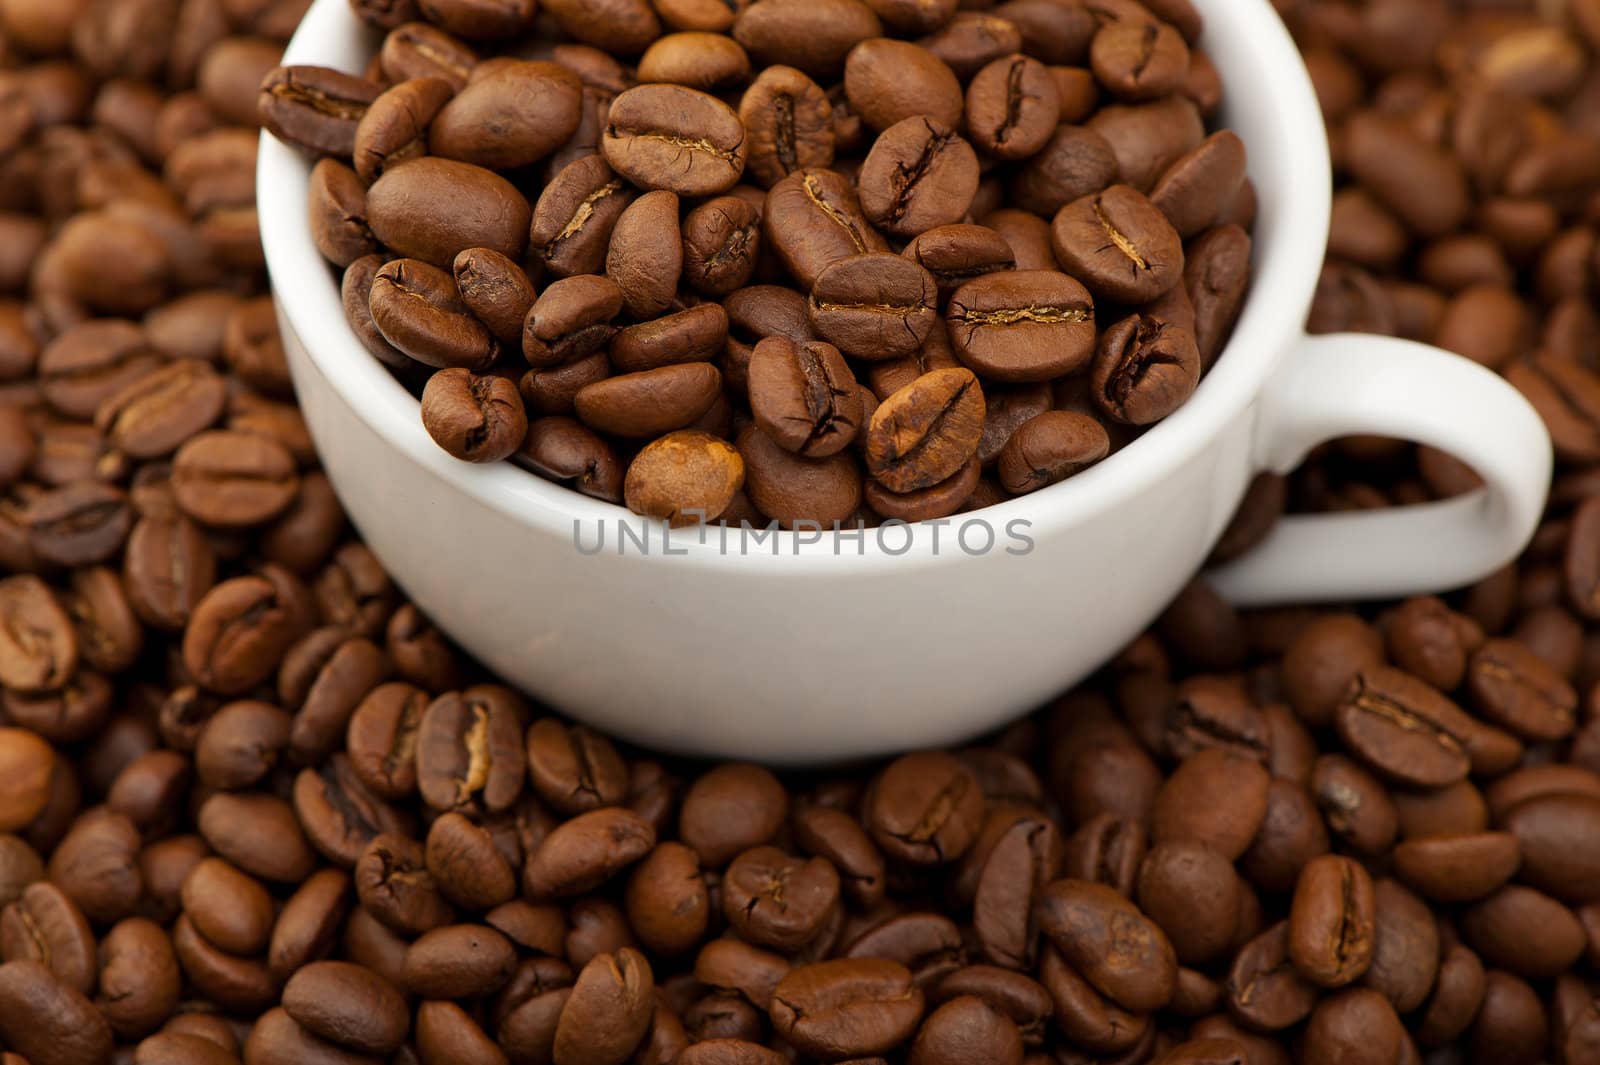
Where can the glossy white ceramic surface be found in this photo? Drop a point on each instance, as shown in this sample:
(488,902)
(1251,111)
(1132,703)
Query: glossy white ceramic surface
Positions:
(797,652)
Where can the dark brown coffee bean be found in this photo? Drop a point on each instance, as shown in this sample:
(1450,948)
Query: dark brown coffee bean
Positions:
(575,215)
(258,833)
(729,809)
(1525,931)
(1458,868)
(886,81)
(419,311)
(1393,163)
(1083,920)
(1012,107)
(667,902)
(813,37)
(475,418)
(1026,325)
(956,254)
(44,925)
(394,885)
(1087,1018)
(721,240)
(48,1021)
(38,648)
(469,750)
(338,207)
(847,1007)
(1263,986)
(919,174)
(587,851)
(1074,162)
(563,450)
(1405,729)
(92,361)
(1137,60)
(1217,797)
(874,305)
(789,124)
(650,402)
(395,126)
(1108,850)
(315,108)
(1331,922)
(675,138)
(1144,369)
(813,219)
(153,415)
(510,114)
(1192,893)
(348,1005)
(775,900)
(608,1013)
(78,525)
(1547,828)
(1050,447)
(1353,1026)
(803,396)
(925,808)
(495,290)
(434,209)
(696,334)
(645,257)
(231,480)
(1022,861)
(237,633)
(963,1027)
(1119,245)
(1515,688)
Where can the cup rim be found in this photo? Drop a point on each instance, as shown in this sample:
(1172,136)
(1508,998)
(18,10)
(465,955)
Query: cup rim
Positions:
(1263,75)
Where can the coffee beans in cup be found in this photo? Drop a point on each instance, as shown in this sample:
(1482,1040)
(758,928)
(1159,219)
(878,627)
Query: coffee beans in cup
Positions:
(616,212)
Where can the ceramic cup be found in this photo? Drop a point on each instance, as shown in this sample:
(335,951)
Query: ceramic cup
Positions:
(803,647)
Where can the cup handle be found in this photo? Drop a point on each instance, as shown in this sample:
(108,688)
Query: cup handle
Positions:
(1349,383)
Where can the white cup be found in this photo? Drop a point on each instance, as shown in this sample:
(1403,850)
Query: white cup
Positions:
(795,652)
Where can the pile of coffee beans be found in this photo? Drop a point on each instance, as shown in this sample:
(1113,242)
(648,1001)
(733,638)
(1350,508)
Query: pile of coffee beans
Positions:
(794,260)
(254,807)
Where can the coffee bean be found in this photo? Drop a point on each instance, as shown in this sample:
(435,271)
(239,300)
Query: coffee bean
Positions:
(1405,729)
(925,431)
(78,525)
(813,37)
(495,290)
(587,851)
(475,418)
(168,568)
(696,334)
(237,633)
(511,113)
(1012,107)
(155,414)
(44,925)
(563,450)
(803,396)
(675,138)
(886,81)
(1027,325)
(609,1011)
(38,649)
(1194,190)
(348,1005)
(919,174)
(1144,369)
(1263,986)
(396,124)
(1083,920)
(1193,894)
(338,208)
(852,1007)
(419,311)
(434,209)
(684,478)
(258,833)
(960,1027)
(1356,1025)
(788,123)
(315,108)
(1331,922)
(1138,60)
(813,219)
(1119,245)
(651,402)
(232,910)
(1086,1017)
(1049,447)
(721,241)
(48,1021)
(1513,687)
(925,809)
(874,305)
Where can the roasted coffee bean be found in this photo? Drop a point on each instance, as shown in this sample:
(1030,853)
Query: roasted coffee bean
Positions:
(919,175)
(495,290)
(43,924)
(1331,921)
(434,209)
(721,241)
(812,219)
(232,479)
(1194,895)
(683,478)
(1513,687)
(395,126)
(475,418)
(419,311)
(511,113)
(1405,729)
(926,431)
(675,138)
(1028,325)
(586,852)
(696,334)
(729,809)
(1049,447)
(315,108)
(847,1007)
(48,1021)
(1083,920)
(651,402)
(237,633)
(788,123)
(803,396)
(956,254)
(1144,369)
(875,305)
(1119,244)
(1013,107)
(338,207)
(563,450)
(570,319)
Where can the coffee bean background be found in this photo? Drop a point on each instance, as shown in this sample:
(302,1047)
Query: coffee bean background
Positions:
(254,807)
(612,208)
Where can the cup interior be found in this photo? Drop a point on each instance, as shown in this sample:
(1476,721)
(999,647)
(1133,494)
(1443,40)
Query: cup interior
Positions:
(1269,103)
